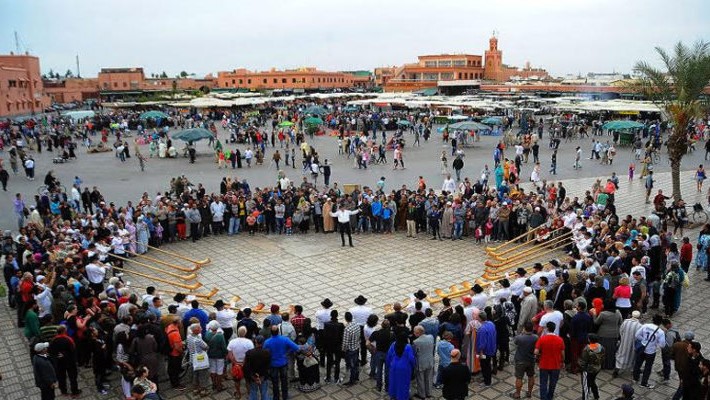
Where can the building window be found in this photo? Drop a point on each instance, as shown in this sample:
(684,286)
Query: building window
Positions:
(233,81)
(447,76)
(430,64)
(429,76)
(283,80)
(248,81)
(241,81)
(459,63)
(264,81)
(12,83)
(445,63)
(293,80)
(115,84)
(105,85)
(460,75)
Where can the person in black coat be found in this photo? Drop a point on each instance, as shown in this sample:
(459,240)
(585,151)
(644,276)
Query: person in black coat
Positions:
(45,377)
(332,339)
(455,378)
(239,158)
(4,176)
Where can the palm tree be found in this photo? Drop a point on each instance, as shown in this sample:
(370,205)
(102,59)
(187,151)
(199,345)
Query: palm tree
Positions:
(677,89)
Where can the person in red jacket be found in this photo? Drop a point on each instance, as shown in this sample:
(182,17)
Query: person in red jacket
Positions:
(25,288)
(686,255)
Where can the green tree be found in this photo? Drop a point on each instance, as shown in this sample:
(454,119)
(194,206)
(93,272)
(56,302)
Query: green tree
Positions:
(677,89)
(68,74)
(183,74)
(163,75)
(50,74)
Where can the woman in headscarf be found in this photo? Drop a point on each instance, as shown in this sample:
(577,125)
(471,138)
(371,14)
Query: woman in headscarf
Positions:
(632,238)
(608,323)
(469,343)
(306,361)
(401,362)
(142,236)
(146,347)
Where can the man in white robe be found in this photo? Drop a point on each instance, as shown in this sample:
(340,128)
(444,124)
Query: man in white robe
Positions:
(626,353)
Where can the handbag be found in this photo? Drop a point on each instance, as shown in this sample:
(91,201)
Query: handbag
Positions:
(237,371)
(309,361)
(200,360)
(640,345)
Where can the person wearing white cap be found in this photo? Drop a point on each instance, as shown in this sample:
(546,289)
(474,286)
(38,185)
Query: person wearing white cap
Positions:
(43,369)
(626,354)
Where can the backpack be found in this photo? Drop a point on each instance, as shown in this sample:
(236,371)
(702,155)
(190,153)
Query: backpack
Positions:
(594,359)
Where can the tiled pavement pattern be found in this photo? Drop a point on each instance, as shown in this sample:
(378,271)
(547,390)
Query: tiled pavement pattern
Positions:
(304,269)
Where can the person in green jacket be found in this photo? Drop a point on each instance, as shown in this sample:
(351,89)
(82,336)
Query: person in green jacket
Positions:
(32,321)
(590,363)
(217,352)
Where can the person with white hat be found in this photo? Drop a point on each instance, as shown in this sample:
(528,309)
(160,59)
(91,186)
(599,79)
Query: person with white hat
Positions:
(43,369)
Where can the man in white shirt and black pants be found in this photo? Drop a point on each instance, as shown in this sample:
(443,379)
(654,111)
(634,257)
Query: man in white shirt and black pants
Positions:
(96,273)
(651,337)
(343,216)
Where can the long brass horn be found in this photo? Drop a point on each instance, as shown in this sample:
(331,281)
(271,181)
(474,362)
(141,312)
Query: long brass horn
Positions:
(497,255)
(206,296)
(180,256)
(532,250)
(191,288)
(167,264)
(190,277)
(515,263)
(490,250)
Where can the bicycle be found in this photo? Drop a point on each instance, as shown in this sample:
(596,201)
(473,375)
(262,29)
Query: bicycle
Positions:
(44,188)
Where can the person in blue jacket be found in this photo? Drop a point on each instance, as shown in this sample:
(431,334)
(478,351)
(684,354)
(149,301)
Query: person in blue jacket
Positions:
(280,347)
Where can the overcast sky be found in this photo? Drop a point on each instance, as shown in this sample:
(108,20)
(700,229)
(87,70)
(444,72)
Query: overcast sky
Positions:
(564,36)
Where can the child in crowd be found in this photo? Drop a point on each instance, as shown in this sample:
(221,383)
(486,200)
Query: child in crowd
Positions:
(289,226)
(488,230)
(478,233)
(251,222)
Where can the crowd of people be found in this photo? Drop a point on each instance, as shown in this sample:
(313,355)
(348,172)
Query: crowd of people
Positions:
(582,313)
